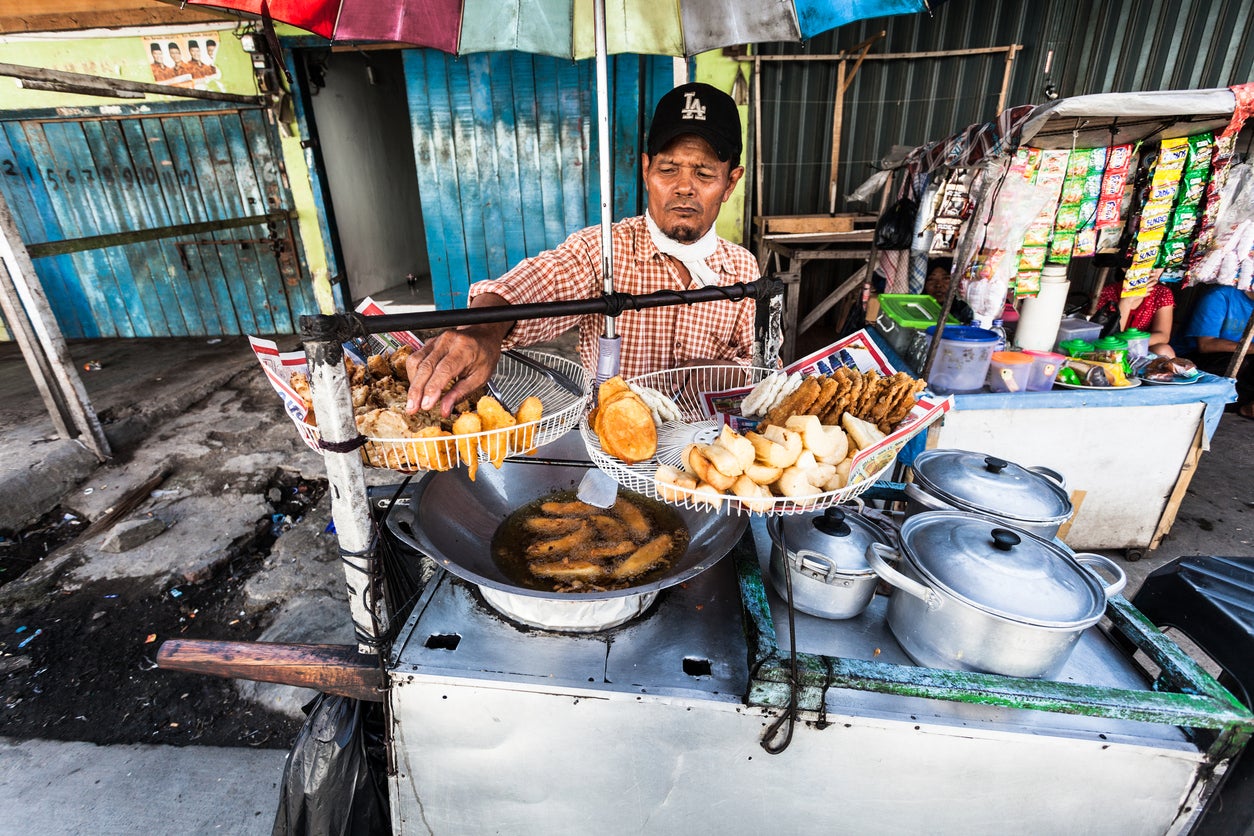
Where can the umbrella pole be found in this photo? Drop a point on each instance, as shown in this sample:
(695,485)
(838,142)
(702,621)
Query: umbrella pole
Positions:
(610,345)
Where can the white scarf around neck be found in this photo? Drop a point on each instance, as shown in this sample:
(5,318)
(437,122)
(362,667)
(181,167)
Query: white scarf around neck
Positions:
(692,255)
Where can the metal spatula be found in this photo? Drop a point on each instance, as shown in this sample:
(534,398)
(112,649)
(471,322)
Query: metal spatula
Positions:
(598,488)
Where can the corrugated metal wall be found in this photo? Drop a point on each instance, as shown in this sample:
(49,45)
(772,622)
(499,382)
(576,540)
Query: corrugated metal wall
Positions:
(505,145)
(1118,45)
(104,204)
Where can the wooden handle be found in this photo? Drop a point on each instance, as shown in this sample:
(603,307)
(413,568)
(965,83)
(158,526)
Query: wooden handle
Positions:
(330,668)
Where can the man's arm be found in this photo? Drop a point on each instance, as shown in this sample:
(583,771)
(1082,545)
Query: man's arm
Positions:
(464,356)
(1215,345)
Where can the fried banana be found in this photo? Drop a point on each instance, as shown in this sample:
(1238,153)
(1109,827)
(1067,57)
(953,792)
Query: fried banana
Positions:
(644,558)
(561,545)
(574,508)
(632,517)
(563,570)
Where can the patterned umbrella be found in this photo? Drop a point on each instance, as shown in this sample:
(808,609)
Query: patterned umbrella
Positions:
(574,29)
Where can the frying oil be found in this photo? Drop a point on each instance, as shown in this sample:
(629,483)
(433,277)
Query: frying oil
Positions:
(512,538)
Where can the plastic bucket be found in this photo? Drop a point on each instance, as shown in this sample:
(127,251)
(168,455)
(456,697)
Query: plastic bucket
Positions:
(1045,366)
(962,359)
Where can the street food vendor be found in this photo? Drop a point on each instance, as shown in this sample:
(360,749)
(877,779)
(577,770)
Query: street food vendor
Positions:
(691,166)
(1152,312)
(1218,325)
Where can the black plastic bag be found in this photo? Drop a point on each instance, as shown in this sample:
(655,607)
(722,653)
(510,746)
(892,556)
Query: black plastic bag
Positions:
(895,228)
(334,779)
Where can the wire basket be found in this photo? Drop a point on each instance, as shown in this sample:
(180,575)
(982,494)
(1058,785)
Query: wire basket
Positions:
(684,387)
(513,381)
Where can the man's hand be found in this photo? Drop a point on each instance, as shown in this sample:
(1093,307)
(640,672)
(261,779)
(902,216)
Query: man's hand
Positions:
(467,357)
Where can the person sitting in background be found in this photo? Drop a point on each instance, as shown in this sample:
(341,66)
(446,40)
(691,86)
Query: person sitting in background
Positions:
(1152,312)
(1218,325)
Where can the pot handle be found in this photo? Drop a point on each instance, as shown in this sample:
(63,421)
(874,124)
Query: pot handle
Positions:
(825,564)
(1050,474)
(1088,560)
(877,554)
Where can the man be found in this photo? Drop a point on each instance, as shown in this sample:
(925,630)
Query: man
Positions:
(160,70)
(194,65)
(1218,325)
(691,166)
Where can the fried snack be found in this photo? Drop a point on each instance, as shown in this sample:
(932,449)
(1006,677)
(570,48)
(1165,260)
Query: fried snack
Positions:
(626,429)
(434,454)
(574,508)
(644,558)
(568,570)
(862,433)
(396,362)
(705,471)
(529,411)
(356,374)
(796,403)
(377,366)
(468,423)
(553,526)
(614,386)
(667,479)
(495,417)
(752,495)
(827,393)
(902,408)
(563,545)
(300,385)
(632,517)
(888,398)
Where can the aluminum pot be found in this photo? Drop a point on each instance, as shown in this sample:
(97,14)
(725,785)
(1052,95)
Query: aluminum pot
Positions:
(826,556)
(974,595)
(1030,498)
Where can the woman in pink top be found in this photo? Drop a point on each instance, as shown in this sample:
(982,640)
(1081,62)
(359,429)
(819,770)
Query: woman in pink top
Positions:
(1151,312)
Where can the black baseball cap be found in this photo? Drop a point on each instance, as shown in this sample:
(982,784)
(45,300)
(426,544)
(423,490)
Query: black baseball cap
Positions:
(698,109)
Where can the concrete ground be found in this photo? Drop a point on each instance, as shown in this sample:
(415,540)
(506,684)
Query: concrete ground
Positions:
(203,406)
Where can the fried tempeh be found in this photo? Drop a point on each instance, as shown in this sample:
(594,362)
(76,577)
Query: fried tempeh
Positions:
(632,517)
(644,558)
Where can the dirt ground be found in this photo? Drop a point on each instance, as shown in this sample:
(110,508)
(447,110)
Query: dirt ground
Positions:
(83,661)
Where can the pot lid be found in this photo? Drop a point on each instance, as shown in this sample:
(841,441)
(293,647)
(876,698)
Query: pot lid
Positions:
(1001,570)
(989,485)
(840,536)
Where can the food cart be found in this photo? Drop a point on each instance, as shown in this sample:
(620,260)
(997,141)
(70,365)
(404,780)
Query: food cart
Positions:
(719,707)
(1098,438)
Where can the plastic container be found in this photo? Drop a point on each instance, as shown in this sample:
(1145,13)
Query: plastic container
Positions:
(903,315)
(961,359)
(1045,366)
(1072,328)
(1076,348)
(1110,349)
(1138,343)
(1010,371)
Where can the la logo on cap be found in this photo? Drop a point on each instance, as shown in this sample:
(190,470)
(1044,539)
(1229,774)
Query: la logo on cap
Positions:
(693,109)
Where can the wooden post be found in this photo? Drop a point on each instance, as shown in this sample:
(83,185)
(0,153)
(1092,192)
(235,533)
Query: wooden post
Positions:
(1005,77)
(1243,347)
(27,310)
(838,117)
(1187,469)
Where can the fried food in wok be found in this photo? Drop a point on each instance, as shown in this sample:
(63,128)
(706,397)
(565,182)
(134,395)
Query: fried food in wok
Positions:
(560,544)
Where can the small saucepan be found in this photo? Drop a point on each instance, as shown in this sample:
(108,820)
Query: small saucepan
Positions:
(826,555)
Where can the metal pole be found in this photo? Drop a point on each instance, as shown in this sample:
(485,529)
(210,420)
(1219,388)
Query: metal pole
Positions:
(348,326)
(603,149)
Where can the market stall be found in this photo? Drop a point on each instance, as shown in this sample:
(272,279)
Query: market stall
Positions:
(1026,208)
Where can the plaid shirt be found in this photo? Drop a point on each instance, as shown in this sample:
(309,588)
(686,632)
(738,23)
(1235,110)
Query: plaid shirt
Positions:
(653,339)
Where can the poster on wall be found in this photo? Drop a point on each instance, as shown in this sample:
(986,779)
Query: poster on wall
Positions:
(185,60)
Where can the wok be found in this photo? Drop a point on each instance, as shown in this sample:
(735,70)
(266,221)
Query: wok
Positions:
(452,519)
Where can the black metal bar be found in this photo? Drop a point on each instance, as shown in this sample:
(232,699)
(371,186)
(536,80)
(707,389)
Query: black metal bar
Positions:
(134,236)
(349,326)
